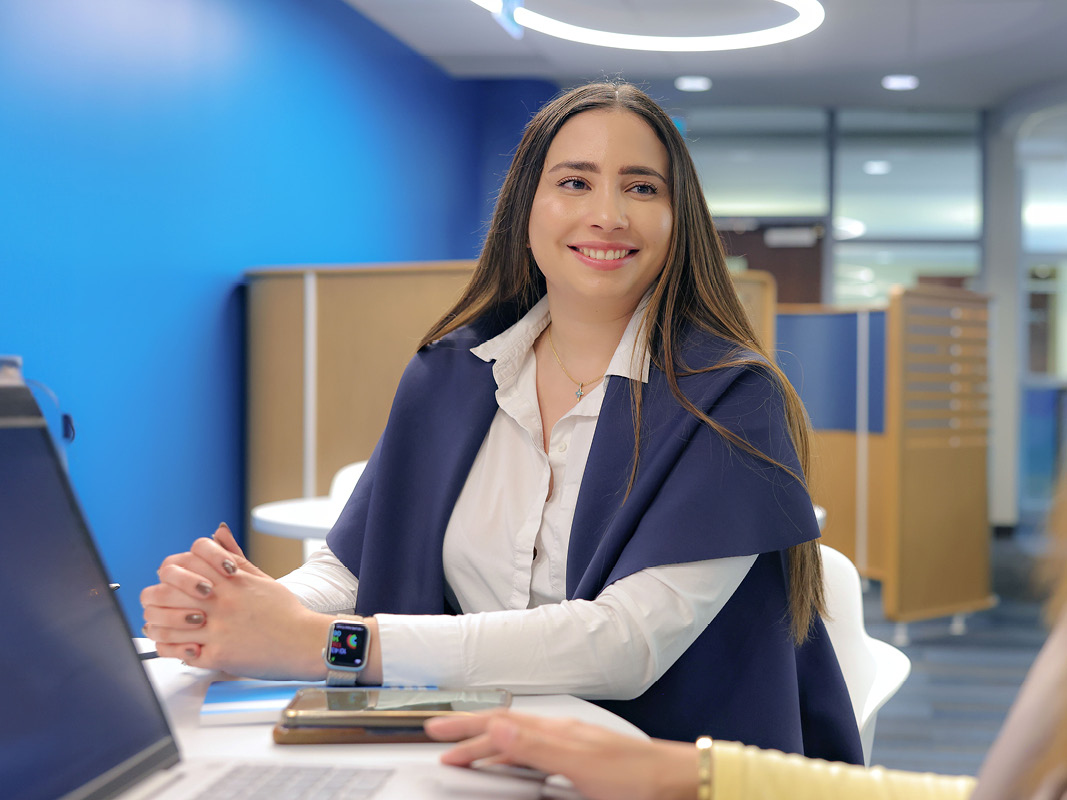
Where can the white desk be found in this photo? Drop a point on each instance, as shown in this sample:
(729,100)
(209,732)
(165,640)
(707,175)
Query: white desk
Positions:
(182,689)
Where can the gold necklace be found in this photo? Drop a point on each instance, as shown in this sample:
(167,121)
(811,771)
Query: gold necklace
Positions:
(581,384)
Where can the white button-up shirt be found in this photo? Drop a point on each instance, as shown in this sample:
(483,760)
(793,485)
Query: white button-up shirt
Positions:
(505,560)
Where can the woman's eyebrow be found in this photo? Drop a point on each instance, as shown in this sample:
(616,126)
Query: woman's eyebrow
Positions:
(647,171)
(577,166)
(589,166)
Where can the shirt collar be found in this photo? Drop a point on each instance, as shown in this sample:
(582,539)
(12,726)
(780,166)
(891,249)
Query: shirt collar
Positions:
(630,360)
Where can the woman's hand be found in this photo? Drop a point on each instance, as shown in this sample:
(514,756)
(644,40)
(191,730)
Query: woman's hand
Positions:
(601,764)
(213,608)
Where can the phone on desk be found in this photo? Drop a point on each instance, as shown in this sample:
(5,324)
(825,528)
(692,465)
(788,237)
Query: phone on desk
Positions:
(323,734)
(331,715)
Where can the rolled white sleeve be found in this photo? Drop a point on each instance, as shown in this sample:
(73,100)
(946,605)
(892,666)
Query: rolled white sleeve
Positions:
(323,583)
(612,647)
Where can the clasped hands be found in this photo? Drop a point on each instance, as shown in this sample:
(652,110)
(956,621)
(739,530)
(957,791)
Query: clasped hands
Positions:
(214,608)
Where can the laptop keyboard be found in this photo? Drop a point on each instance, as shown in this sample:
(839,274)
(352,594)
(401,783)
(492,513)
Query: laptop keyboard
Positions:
(292,782)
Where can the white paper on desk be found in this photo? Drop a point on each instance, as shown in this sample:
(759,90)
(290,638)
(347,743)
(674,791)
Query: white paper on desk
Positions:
(245,701)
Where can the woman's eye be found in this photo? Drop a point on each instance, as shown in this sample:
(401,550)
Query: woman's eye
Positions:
(574,183)
(645,188)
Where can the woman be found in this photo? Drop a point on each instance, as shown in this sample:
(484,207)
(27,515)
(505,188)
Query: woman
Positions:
(1028,759)
(672,576)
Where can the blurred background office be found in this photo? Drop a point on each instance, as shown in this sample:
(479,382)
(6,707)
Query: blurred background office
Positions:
(153,152)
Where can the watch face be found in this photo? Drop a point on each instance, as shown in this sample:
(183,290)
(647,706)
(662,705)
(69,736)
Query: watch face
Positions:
(347,648)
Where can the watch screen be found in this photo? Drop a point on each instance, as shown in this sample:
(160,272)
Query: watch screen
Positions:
(348,645)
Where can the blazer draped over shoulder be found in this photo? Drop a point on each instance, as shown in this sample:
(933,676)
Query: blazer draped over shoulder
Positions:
(695,497)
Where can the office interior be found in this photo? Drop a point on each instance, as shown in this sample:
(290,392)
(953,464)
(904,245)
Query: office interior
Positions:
(152,154)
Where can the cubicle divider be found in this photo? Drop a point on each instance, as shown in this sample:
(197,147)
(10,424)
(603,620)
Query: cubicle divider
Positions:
(899,401)
(326,348)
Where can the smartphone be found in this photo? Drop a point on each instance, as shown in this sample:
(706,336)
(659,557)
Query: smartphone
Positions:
(385,708)
(335,734)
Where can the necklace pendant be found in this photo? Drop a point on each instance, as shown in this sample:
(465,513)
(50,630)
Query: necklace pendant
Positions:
(579,393)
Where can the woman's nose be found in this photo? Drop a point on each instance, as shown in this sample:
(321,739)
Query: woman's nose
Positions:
(608,211)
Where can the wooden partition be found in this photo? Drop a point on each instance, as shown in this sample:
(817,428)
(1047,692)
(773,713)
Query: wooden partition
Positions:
(899,401)
(326,349)
(758,292)
(937,412)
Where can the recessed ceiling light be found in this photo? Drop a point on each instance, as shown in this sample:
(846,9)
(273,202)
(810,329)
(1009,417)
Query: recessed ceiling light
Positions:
(900,83)
(810,15)
(692,83)
(877,167)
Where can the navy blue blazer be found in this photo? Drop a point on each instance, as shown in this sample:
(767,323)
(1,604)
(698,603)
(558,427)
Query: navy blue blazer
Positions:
(694,498)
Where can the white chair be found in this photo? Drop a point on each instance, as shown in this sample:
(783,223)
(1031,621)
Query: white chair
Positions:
(344,481)
(341,486)
(308,518)
(873,670)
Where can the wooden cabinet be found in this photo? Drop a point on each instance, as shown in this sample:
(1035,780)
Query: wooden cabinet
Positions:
(326,349)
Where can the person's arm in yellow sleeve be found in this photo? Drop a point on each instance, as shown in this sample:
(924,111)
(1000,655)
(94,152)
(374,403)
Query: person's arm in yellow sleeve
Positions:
(604,765)
(748,773)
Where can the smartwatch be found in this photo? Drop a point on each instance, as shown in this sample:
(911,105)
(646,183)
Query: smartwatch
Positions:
(345,653)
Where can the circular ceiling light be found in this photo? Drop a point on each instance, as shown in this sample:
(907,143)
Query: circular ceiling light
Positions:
(900,83)
(877,167)
(692,83)
(810,15)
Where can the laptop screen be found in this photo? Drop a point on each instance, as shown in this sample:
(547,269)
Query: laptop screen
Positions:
(79,717)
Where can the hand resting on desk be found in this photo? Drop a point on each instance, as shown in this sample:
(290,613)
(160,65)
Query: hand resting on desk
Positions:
(602,764)
(214,608)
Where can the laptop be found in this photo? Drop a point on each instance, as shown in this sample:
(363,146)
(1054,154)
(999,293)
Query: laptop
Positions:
(79,717)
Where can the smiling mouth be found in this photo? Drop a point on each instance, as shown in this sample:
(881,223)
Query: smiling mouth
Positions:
(603,255)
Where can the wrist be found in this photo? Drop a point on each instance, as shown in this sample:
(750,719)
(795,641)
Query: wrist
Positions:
(681,780)
(371,674)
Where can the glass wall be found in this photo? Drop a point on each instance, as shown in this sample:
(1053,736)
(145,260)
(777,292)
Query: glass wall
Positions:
(907,202)
(905,198)
(761,163)
(865,271)
(1042,154)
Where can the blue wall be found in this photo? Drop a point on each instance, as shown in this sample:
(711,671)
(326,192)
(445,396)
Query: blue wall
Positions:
(152,152)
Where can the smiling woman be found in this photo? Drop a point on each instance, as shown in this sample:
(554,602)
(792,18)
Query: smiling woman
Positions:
(646,541)
(601,219)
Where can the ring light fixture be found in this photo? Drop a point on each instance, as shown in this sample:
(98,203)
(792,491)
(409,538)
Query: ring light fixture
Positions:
(810,15)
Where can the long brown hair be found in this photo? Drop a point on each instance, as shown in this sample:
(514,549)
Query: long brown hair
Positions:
(694,289)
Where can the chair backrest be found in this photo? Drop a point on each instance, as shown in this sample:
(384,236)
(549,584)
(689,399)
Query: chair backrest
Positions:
(344,481)
(873,670)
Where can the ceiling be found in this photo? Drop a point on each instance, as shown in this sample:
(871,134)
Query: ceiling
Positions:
(968,54)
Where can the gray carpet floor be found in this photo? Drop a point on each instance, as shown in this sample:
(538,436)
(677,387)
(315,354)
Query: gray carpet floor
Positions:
(949,710)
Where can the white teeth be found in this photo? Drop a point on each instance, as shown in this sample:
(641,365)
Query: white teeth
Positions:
(603,255)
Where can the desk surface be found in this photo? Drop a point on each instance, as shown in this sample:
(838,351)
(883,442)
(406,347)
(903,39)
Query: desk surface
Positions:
(181,690)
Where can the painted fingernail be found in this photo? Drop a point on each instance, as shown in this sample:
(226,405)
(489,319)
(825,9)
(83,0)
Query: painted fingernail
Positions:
(224,525)
(229,567)
(204,588)
(144,629)
(194,619)
(190,653)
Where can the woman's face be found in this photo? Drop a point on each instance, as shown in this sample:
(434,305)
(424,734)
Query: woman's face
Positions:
(600,225)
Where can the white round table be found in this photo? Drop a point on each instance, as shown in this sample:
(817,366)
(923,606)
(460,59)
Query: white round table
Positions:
(306,518)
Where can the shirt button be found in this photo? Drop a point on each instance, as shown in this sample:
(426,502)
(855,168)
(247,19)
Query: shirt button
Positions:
(562,448)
